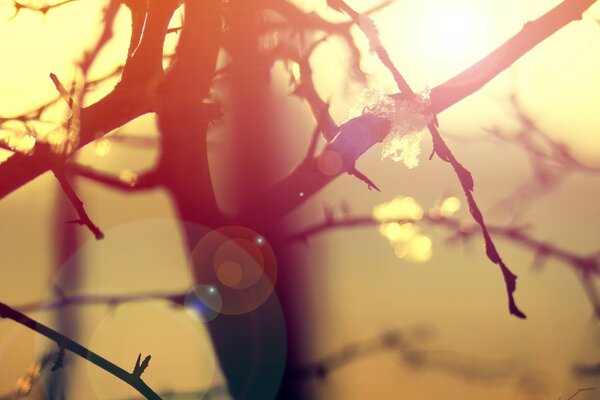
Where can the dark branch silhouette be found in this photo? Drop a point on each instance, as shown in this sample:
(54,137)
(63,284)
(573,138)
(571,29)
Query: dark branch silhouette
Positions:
(132,379)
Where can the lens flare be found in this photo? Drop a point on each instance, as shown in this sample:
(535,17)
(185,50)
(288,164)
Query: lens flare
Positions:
(239,263)
(203,302)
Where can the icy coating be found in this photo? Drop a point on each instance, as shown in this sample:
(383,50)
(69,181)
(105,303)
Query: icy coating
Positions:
(408,119)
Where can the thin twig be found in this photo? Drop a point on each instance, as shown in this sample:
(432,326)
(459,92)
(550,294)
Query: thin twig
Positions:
(133,380)
(368,27)
(145,181)
(585,266)
(442,150)
(84,218)
(113,300)
(579,391)
(466,181)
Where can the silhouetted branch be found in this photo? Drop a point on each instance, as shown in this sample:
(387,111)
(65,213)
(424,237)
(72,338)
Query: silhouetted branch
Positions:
(354,138)
(305,87)
(84,218)
(140,366)
(441,149)
(466,181)
(131,379)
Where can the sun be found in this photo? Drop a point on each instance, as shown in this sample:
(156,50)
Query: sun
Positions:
(454,32)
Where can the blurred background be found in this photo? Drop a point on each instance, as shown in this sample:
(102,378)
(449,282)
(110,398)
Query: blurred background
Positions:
(412,312)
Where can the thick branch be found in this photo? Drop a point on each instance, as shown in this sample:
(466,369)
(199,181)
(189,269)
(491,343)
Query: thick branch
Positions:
(116,109)
(313,173)
(531,35)
(472,79)
(183,119)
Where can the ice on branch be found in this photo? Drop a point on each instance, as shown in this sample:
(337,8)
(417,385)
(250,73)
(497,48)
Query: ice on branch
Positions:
(17,137)
(408,119)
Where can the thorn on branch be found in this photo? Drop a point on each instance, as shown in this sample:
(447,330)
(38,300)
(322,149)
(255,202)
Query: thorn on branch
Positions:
(140,366)
(42,9)
(362,177)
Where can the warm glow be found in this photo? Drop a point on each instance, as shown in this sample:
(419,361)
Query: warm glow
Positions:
(454,30)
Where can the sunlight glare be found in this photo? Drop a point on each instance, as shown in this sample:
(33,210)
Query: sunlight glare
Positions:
(455,31)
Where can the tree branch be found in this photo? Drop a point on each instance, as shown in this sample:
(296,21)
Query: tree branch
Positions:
(132,97)
(84,218)
(473,78)
(62,341)
(113,300)
(291,192)
(145,181)
(183,119)
(585,266)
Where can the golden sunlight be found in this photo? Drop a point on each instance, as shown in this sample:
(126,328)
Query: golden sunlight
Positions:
(454,30)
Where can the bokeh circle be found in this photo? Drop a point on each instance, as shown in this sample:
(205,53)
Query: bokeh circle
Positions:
(239,263)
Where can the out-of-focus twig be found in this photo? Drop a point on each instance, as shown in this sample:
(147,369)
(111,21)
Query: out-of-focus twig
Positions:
(112,300)
(144,181)
(581,390)
(586,266)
